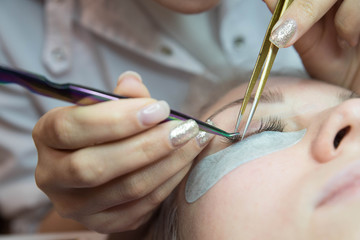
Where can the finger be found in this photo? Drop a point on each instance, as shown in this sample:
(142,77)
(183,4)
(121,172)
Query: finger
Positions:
(297,20)
(130,85)
(271,4)
(77,127)
(130,216)
(133,186)
(144,181)
(92,166)
(347,20)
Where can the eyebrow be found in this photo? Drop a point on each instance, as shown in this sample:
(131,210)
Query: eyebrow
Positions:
(277,96)
(273,96)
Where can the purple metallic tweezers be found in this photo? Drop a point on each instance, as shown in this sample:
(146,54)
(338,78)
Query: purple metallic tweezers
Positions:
(81,95)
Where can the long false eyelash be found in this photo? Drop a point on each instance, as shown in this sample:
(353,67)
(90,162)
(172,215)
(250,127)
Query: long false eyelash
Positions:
(274,124)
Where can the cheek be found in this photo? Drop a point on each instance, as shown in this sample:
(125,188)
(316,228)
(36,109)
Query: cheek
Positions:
(337,222)
(253,196)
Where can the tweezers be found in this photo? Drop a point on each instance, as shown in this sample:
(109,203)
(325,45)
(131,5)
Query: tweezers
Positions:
(264,61)
(81,95)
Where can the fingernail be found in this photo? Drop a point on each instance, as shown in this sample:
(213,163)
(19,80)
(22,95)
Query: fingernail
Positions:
(282,34)
(154,113)
(129,75)
(183,133)
(203,137)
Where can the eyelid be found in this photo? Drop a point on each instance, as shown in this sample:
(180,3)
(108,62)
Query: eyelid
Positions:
(270,97)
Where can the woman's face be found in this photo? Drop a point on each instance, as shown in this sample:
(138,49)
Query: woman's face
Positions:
(188,6)
(310,190)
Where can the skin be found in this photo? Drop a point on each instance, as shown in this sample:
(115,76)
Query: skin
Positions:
(88,177)
(188,6)
(63,168)
(308,13)
(277,196)
(326,38)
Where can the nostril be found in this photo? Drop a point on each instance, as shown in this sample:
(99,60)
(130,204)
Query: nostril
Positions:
(340,135)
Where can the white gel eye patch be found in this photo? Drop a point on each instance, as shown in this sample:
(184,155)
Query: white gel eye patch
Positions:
(213,167)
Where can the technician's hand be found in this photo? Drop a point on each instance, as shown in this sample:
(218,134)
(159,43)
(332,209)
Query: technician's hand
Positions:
(109,165)
(326,35)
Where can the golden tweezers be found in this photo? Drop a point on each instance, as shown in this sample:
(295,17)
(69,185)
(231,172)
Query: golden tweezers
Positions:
(265,58)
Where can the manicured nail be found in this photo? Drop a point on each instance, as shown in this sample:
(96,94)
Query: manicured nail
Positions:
(154,113)
(129,75)
(203,137)
(282,34)
(183,133)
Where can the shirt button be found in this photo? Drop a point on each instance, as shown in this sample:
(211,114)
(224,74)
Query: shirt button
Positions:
(165,50)
(238,41)
(58,54)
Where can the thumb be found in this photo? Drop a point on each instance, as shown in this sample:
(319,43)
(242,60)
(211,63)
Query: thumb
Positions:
(130,85)
(297,20)
(271,4)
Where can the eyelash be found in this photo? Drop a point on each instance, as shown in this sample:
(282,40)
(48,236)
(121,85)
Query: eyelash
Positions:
(274,124)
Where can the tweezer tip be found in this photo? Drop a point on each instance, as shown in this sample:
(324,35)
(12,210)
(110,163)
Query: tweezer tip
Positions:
(242,137)
(246,128)
(236,130)
(234,136)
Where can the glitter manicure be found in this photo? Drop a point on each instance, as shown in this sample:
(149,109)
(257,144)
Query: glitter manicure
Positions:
(183,133)
(284,33)
(203,137)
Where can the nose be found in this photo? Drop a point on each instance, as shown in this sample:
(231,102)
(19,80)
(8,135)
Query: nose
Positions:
(339,132)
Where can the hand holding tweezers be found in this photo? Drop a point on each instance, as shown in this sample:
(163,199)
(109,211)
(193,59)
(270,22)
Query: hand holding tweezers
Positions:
(81,95)
(264,61)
